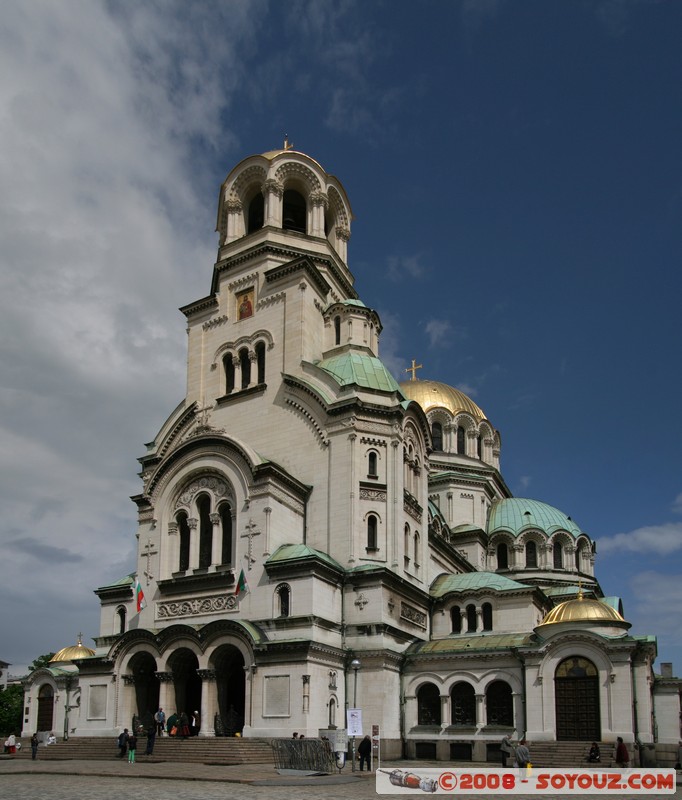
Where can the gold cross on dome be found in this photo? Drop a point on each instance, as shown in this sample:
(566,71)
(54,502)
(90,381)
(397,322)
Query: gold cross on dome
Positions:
(287,145)
(413,369)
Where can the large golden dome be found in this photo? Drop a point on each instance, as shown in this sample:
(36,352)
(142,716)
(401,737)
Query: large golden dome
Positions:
(583,609)
(432,394)
(72,653)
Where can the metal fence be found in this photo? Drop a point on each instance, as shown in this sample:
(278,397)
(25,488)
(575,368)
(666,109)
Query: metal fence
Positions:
(311,755)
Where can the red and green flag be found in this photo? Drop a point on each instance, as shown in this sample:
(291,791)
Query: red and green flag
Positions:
(242,586)
(139,596)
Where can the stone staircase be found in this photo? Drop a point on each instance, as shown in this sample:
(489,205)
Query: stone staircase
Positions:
(567,754)
(215,750)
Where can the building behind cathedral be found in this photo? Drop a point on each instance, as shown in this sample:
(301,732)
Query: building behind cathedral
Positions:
(300,509)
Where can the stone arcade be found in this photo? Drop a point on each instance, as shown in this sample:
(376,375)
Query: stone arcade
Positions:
(370,520)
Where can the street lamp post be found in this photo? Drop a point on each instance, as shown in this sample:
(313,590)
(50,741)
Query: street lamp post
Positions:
(355,666)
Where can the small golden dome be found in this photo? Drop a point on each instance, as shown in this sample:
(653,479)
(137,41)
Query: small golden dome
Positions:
(583,609)
(432,394)
(72,653)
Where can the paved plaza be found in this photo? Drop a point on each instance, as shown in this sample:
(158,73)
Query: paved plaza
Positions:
(104,780)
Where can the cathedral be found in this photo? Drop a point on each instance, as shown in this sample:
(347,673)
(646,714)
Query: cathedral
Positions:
(314,536)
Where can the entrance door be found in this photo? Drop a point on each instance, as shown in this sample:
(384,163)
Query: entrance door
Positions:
(576,686)
(45,708)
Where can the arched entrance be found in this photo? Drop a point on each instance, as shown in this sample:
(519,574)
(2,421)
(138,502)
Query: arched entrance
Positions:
(186,682)
(576,688)
(231,688)
(143,668)
(45,708)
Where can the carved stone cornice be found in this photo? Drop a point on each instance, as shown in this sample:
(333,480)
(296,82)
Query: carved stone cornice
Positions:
(194,607)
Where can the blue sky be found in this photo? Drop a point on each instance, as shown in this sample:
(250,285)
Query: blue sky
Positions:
(514,170)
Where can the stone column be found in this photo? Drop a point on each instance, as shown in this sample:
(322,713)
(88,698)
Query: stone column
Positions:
(216,542)
(569,558)
(319,203)
(128,705)
(444,710)
(546,556)
(517,705)
(173,555)
(235,220)
(166,692)
(193,525)
(516,553)
(209,701)
(342,237)
(273,192)
(479,619)
(480,710)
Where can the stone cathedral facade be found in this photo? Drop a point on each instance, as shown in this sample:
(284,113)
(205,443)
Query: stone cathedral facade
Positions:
(369,519)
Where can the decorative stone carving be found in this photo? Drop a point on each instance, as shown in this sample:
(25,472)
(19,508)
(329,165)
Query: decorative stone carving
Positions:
(196,607)
(412,614)
(373,494)
(361,601)
(215,485)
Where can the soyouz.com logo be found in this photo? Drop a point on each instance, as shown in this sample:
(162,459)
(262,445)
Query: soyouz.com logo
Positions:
(526,781)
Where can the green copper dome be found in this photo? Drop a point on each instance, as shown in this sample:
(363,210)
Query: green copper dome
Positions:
(359,369)
(516,515)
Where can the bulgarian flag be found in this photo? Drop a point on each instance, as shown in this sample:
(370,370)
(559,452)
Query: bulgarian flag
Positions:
(242,586)
(139,596)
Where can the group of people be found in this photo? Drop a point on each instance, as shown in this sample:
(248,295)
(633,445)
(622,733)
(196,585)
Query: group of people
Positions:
(178,724)
(521,753)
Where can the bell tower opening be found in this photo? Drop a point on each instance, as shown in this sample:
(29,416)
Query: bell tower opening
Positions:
(294,212)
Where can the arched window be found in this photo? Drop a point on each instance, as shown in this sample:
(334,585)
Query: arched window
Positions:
(260,361)
(479,446)
(471,618)
(463,704)
(183,531)
(428,705)
(337,330)
(558,554)
(256,213)
(372,532)
(456,619)
(294,212)
(372,464)
(437,436)
(417,541)
(406,542)
(121,614)
(502,556)
(332,712)
(245,366)
(225,511)
(228,366)
(461,442)
(531,555)
(487,613)
(499,705)
(283,597)
(205,531)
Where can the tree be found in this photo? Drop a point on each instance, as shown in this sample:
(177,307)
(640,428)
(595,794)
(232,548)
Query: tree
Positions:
(11,707)
(40,662)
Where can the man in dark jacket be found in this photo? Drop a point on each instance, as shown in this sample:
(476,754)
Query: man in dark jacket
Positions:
(365,751)
(123,743)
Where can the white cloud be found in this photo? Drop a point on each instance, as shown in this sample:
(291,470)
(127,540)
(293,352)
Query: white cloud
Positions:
(658,597)
(677,504)
(439,331)
(401,266)
(104,235)
(651,539)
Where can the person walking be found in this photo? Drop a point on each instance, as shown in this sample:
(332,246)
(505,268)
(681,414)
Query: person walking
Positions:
(132,747)
(160,719)
(183,725)
(622,754)
(34,746)
(151,739)
(522,754)
(506,749)
(123,743)
(195,724)
(365,753)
